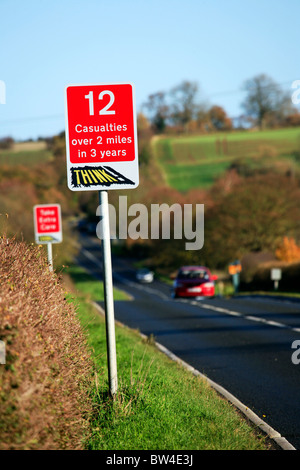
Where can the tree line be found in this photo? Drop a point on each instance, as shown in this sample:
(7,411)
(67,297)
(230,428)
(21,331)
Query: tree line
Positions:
(266,105)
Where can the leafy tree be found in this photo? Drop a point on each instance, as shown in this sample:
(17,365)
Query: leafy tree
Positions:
(144,139)
(254,216)
(219,119)
(293,120)
(288,250)
(6,143)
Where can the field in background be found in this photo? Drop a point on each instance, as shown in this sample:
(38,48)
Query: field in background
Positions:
(196,161)
(26,153)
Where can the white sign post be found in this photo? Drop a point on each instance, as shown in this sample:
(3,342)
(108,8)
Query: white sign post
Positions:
(276,276)
(101,145)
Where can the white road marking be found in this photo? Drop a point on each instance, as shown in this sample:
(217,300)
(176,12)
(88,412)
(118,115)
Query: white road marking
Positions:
(250,317)
(156,292)
(125,281)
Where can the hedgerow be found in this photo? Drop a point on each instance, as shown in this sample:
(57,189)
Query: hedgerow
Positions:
(45,381)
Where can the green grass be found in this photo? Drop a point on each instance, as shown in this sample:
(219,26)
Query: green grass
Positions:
(196,161)
(159,405)
(185,177)
(91,287)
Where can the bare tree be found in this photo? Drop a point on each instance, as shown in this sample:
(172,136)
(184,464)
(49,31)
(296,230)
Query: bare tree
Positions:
(184,106)
(264,98)
(158,110)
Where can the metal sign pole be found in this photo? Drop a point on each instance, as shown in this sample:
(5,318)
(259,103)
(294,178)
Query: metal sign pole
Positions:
(108,295)
(50,258)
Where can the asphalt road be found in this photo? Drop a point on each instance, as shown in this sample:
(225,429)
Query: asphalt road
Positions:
(244,344)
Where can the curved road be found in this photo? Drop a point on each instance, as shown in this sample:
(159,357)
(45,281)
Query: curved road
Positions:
(244,344)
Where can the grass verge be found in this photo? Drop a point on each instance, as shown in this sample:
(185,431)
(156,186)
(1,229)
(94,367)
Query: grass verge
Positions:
(91,288)
(159,405)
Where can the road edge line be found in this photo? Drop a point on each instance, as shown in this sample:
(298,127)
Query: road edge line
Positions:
(281,441)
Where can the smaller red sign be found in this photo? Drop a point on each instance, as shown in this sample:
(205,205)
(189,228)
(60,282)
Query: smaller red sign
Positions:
(47,219)
(47,223)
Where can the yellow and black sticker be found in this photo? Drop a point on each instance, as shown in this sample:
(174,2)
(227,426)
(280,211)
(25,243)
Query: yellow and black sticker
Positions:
(46,238)
(95,176)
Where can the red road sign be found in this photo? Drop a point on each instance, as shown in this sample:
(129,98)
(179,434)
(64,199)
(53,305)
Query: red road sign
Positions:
(47,223)
(101,137)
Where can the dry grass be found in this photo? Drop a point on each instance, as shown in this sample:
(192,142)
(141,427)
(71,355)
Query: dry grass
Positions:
(29,146)
(45,382)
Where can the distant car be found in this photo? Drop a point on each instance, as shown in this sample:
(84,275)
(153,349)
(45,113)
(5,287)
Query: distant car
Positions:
(84,225)
(144,275)
(194,281)
(91,228)
(81,225)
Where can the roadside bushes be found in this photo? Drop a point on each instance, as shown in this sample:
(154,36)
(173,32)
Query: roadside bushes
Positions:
(261,277)
(45,383)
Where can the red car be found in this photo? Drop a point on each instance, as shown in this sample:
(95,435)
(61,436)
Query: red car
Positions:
(194,281)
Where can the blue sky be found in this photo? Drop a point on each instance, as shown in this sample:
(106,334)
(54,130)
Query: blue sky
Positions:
(48,44)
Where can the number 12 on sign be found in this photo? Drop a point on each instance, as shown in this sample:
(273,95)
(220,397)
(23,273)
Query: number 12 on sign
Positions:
(106,110)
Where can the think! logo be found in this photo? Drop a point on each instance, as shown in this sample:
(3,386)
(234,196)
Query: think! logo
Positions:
(94,176)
